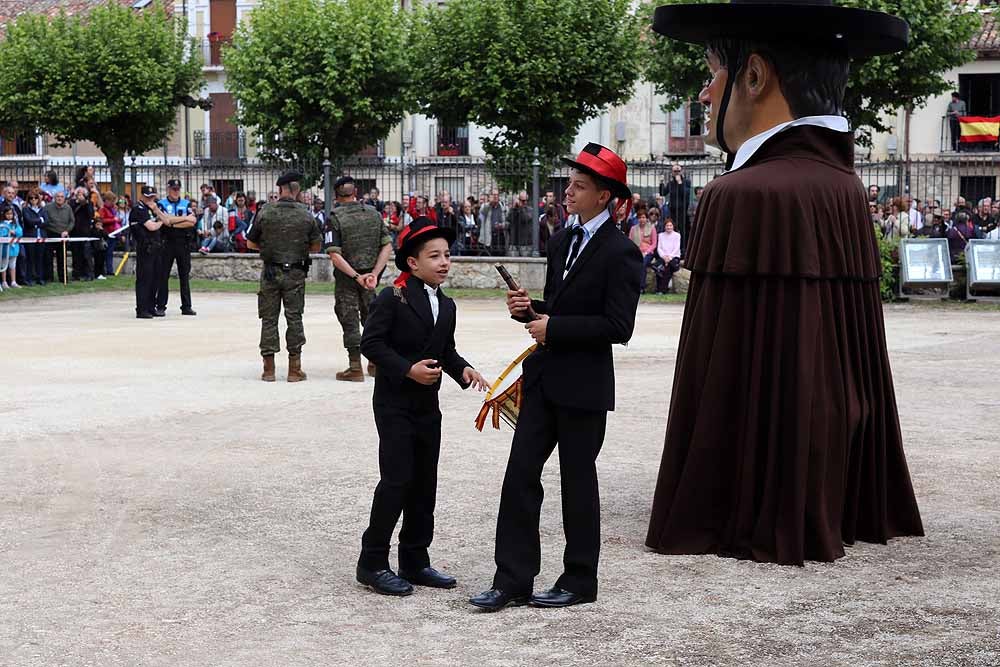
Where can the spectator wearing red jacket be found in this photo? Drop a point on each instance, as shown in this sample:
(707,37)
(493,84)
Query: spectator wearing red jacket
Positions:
(110,222)
(420,206)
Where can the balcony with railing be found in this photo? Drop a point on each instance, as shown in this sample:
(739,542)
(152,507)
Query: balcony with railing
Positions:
(686,125)
(982,136)
(450,141)
(220,146)
(211,49)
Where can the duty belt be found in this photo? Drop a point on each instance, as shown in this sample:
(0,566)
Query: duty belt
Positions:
(288,266)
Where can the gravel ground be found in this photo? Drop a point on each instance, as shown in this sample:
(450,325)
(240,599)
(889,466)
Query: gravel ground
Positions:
(161,506)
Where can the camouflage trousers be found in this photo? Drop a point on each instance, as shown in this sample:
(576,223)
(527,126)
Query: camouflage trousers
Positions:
(288,288)
(351,307)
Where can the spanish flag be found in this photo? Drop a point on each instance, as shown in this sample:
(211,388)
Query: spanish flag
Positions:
(979,129)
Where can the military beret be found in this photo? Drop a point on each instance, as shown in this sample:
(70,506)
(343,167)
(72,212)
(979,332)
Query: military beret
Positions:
(291,176)
(342,181)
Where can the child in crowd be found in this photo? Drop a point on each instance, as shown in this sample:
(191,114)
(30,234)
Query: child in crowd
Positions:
(410,336)
(9,227)
(218,241)
(643,234)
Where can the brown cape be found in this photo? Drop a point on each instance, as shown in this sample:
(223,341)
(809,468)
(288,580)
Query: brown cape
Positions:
(783,442)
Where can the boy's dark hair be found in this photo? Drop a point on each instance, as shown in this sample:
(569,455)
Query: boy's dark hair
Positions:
(812,80)
(217,225)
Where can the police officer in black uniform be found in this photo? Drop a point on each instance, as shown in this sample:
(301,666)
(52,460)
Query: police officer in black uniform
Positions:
(177,232)
(145,223)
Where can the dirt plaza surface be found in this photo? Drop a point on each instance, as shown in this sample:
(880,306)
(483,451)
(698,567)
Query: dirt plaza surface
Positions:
(159,505)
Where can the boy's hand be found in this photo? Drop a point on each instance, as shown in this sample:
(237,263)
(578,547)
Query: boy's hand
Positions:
(537,328)
(518,302)
(473,378)
(423,373)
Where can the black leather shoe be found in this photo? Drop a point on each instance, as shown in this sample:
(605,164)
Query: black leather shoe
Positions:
(429,577)
(557,597)
(144,316)
(159,312)
(496,599)
(384,581)
(188,311)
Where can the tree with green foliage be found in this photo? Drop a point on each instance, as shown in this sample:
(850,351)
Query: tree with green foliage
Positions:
(532,70)
(876,89)
(114,76)
(311,75)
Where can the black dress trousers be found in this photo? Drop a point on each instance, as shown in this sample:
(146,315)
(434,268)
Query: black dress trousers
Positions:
(175,248)
(147,276)
(409,430)
(579,434)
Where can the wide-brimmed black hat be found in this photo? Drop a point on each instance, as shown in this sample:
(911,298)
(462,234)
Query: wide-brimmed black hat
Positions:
(420,230)
(606,165)
(860,33)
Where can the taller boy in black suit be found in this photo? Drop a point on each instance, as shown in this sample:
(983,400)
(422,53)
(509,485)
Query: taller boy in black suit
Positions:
(410,336)
(591,294)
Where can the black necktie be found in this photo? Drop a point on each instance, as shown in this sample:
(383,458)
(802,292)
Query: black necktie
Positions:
(574,245)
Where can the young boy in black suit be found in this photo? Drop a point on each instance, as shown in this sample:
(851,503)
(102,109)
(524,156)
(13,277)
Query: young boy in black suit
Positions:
(410,337)
(590,299)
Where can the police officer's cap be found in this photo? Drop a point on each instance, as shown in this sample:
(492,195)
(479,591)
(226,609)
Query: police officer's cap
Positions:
(290,176)
(148,191)
(342,181)
(173,183)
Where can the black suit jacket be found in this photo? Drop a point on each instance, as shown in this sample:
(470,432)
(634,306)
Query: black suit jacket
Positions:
(591,309)
(400,331)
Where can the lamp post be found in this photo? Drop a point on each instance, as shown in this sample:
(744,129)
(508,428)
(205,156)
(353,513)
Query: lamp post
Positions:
(132,166)
(327,190)
(535,164)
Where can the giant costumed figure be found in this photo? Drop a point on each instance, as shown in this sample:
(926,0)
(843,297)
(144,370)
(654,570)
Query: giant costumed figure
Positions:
(783,442)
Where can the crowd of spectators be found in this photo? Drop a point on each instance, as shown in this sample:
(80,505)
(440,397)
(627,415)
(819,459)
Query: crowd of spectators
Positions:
(488,225)
(905,217)
(81,210)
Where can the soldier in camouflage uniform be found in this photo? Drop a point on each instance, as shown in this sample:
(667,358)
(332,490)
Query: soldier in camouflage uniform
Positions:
(359,245)
(285,233)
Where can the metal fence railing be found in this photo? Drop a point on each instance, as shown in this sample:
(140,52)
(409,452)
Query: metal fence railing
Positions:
(944,178)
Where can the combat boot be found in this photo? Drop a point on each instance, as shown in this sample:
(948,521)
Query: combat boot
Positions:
(268,374)
(354,373)
(295,372)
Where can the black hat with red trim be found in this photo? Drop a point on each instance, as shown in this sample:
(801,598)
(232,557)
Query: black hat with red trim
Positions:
(416,233)
(604,164)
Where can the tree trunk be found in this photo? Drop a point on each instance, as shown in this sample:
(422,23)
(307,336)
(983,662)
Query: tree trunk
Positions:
(116,164)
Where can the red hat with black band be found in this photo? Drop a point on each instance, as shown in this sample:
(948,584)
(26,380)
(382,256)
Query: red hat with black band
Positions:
(416,233)
(609,170)
(604,164)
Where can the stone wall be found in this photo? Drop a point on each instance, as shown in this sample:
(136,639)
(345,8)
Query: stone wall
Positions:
(466,272)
